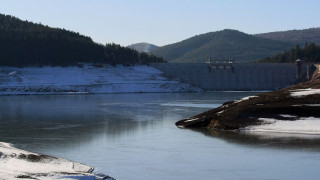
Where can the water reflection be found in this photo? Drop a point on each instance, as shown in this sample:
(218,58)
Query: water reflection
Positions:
(69,120)
(133,136)
(66,120)
(266,139)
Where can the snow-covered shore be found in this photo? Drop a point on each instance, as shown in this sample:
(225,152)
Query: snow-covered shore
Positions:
(16,164)
(88,79)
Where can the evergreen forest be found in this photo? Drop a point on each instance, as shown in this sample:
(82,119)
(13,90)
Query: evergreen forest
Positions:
(24,43)
(309,53)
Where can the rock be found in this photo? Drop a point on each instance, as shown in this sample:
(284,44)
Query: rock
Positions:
(301,100)
(25,177)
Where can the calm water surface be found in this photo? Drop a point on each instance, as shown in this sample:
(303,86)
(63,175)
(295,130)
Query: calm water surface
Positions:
(133,137)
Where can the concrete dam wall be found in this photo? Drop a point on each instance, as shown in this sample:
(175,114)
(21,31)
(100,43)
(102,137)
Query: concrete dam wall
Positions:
(232,76)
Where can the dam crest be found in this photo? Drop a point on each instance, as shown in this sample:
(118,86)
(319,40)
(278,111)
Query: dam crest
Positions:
(229,76)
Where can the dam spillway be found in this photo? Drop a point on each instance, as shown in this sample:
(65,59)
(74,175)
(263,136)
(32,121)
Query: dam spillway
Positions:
(232,76)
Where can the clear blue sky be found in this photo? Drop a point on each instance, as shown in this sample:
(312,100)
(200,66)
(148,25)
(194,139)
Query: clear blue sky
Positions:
(164,22)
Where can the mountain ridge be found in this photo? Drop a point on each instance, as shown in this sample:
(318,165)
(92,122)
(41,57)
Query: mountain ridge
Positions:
(223,44)
(302,36)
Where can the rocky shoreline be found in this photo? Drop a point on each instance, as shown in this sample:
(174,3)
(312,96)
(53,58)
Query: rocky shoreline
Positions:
(288,104)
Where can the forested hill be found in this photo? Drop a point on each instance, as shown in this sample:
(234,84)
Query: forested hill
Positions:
(309,53)
(222,45)
(311,35)
(24,43)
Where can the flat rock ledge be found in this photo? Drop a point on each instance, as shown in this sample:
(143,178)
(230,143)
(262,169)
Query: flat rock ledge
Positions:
(292,103)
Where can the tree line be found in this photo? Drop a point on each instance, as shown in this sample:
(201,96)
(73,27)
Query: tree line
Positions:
(24,43)
(309,53)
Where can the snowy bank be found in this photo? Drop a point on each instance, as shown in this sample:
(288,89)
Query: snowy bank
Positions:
(88,79)
(303,125)
(295,109)
(16,164)
(300,93)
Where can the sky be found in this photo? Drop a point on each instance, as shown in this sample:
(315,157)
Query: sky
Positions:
(163,22)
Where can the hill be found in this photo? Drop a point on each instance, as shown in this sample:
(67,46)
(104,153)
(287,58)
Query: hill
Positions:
(143,47)
(311,35)
(24,43)
(222,45)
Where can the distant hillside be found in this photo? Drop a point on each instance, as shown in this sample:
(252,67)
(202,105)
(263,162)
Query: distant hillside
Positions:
(24,43)
(222,45)
(311,35)
(143,47)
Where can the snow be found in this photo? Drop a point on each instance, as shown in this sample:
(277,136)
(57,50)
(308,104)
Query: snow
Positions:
(16,162)
(304,92)
(190,120)
(304,125)
(245,98)
(219,113)
(311,104)
(88,79)
(288,116)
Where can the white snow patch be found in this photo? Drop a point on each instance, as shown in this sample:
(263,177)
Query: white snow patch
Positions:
(287,116)
(220,112)
(306,125)
(245,98)
(189,120)
(13,164)
(88,79)
(304,92)
(225,106)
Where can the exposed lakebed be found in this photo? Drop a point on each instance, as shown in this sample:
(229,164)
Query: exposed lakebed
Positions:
(133,136)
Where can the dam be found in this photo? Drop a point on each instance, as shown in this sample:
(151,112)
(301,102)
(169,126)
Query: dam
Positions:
(229,76)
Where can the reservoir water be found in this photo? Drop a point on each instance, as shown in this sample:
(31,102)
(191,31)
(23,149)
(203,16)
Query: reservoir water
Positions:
(133,137)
